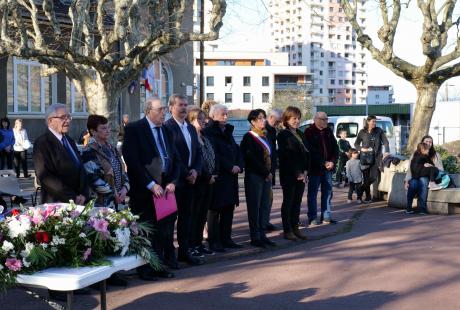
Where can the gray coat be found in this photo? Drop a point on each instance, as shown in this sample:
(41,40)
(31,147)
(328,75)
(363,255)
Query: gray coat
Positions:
(353,169)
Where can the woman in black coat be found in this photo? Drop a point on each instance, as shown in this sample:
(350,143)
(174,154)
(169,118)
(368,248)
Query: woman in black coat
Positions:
(220,215)
(294,161)
(257,151)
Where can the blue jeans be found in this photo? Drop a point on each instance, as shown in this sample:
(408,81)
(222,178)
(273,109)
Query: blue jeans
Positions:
(314,183)
(420,187)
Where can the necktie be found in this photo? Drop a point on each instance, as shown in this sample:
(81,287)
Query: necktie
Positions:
(69,150)
(162,148)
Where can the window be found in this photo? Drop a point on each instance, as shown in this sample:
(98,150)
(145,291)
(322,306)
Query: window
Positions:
(265,81)
(246,97)
(246,81)
(387,127)
(209,96)
(332,82)
(209,81)
(75,101)
(228,98)
(228,80)
(350,128)
(265,97)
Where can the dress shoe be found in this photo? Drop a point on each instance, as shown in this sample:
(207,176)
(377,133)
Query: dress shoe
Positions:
(290,236)
(165,274)
(204,250)
(268,241)
(270,227)
(258,243)
(298,233)
(231,245)
(196,253)
(216,248)
(190,259)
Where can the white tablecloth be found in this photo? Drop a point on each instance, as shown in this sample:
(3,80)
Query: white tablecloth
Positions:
(70,279)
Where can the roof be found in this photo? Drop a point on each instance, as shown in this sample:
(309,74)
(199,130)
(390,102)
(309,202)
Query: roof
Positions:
(375,109)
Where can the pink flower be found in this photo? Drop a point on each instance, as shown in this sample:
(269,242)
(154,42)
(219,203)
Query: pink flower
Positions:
(123,223)
(86,254)
(37,217)
(49,211)
(13,264)
(74,214)
(100,225)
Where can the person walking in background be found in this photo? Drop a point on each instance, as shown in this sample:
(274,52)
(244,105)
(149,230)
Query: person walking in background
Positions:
(220,215)
(153,171)
(271,128)
(344,147)
(370,140)
(21,145)
(294,163)
(121,132)
(204,185)
(354,176)
(6,144)
(104,168)
(190,163)
(324,153)
(257,150)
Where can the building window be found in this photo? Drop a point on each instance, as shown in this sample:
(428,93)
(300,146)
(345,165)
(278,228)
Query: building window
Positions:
(228,98)
(246,97)
(246,81)
(265,81)
(76,102)
(332,82)
(209,96)
(209,81)
(265,97)
(28,91)
(228,80)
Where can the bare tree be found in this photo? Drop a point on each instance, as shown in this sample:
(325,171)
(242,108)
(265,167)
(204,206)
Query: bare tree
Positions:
(441,62)
(101,45)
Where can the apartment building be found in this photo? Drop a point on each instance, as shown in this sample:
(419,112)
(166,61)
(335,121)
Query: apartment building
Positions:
(316,34)
(380,94)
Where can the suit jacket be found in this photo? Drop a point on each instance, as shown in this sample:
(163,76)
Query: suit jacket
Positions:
(60,179)
(323,147)
(182,149)
(294,158)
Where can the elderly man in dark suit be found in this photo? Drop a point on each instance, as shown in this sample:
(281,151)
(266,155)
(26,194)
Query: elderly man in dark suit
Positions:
(57,160)
(185,139)
(150,157)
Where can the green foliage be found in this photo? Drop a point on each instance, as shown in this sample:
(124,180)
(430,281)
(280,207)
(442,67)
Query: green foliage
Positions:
(448,161)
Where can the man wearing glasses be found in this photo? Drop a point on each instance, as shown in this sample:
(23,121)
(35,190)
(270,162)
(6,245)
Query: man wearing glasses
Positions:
(57,161)
(324,154)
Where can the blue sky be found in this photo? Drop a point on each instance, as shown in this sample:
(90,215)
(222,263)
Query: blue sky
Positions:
(247,28)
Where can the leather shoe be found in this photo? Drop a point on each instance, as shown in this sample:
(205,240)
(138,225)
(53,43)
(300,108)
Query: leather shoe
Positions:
(290,236)
(268,241)
(270,227)
(231,245)
(259,244)
(165,274)
(189,259)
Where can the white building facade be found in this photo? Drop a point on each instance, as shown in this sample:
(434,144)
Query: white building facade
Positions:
(316,34)
(248,80)
(380,94)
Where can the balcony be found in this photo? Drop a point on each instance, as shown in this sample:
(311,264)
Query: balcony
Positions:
(307,87)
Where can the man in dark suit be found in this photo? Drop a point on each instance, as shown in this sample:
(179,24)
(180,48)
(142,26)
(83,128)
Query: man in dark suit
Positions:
(58,167)
(151,162)
(57,160)
(185,139)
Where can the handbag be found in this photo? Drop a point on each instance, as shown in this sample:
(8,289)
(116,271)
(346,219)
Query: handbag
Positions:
(367,158)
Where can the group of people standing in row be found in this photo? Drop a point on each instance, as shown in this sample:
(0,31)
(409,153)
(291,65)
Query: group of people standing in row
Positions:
(194,155)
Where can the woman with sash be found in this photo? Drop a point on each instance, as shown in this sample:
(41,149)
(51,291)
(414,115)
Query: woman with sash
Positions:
(256,150)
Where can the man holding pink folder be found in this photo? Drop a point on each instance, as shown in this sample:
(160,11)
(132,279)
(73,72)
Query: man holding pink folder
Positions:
(151,160)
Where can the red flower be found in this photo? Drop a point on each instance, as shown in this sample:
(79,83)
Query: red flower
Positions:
(15,212)
(42,237)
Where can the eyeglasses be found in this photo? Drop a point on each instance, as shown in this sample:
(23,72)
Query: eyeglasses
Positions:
(64,117)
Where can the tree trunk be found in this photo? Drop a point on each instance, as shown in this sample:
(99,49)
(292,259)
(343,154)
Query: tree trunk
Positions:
(424,108)
(102,99)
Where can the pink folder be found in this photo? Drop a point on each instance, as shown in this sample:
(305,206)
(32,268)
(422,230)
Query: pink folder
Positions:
(165,205)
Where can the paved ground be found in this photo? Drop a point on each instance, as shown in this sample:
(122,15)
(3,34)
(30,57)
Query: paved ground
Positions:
(376,258)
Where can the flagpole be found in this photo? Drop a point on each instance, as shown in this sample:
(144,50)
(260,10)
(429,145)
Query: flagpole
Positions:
(201,54)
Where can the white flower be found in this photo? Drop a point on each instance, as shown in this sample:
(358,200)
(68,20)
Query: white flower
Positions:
(123,236)
(1,267)
(82,235)
(25,262)
(44,245)
(26,252)
(19,227)
(7,246)
(57,240)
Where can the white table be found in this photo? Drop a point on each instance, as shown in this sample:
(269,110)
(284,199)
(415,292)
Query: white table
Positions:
(71,279)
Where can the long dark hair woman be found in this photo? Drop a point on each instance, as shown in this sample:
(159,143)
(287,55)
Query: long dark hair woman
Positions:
(369,142)
(294,162)
(257,151)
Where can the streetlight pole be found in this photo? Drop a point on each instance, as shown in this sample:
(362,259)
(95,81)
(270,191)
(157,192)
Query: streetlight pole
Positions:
(201,54)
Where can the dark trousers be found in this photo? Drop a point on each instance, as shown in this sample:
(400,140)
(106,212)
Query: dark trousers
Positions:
(220,225)
(340,169)
(257,191)
(6,158)
(355,187)
(184,198)
(20,160)
(202,201)
(290,208)
(417,187)
(369,176)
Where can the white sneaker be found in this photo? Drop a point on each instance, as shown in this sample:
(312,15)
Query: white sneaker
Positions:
(434,187)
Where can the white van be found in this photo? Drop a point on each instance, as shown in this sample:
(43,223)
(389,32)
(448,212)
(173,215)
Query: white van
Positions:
(353,124)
